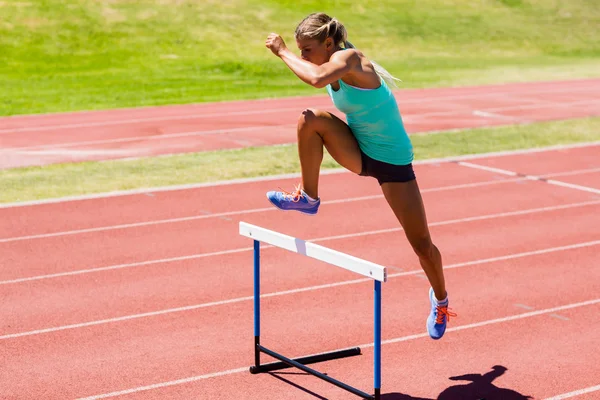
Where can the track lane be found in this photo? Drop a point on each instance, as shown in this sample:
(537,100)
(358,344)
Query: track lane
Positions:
(56,254)
(174,346)
(42,140)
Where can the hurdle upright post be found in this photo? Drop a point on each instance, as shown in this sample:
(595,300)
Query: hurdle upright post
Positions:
(377,341)
(256,303)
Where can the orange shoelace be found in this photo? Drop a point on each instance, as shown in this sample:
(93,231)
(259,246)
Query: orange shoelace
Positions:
(295,195)
(441,312)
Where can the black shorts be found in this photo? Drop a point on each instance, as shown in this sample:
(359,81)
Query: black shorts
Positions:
(385,172)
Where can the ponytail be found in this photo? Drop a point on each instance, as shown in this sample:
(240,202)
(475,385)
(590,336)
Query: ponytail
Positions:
(382,72)
(321,26)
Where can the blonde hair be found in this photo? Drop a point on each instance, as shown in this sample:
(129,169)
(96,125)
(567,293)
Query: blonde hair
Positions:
(321,26)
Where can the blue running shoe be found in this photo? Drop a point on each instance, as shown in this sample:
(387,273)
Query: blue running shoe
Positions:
(436,322)
(297,200)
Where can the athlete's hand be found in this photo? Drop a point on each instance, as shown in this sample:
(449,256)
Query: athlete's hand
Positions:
(275,43)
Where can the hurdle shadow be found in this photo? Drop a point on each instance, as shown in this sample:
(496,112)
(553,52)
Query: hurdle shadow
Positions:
(279,375)
(480,388)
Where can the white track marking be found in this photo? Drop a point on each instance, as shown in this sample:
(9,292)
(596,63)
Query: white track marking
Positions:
(367,345)
(322,239)
(494,116)
(530,177)
(490,112)
(268,209)
(573,172)
(471,219)
(294,291)
(489,169)
(239,212)
(159,189)
(129,265)
(166,384)
(288,176)
(270,109)
(38,148)
(151,119)
(575,393)
(495,321)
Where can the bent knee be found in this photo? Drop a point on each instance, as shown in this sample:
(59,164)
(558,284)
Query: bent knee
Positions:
(309,116)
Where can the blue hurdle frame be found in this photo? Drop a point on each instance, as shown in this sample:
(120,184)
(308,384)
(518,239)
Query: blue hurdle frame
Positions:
(300,362)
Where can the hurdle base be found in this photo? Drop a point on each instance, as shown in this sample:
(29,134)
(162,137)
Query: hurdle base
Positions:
(274,366)
(300,364)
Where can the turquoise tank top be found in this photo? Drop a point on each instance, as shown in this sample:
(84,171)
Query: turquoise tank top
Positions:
(375,120)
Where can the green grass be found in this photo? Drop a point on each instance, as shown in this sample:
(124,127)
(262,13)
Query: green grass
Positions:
(22,184)
(89,54)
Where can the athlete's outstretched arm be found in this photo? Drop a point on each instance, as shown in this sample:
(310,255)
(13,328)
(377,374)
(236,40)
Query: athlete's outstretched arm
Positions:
(319,76)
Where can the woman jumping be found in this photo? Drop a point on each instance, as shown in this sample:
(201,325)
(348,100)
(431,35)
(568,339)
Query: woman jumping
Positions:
(372,143)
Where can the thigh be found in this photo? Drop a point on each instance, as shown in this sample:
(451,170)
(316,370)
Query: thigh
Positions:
(337,138)
(407,204)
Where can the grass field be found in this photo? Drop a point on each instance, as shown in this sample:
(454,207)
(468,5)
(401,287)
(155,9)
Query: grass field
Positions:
(89,54)
(22,184)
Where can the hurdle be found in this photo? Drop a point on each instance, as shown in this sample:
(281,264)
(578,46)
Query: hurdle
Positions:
(366,268)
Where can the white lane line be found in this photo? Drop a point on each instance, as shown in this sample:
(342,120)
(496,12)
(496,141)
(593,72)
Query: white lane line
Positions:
(293,291)
(192,186)
(166,384)
(569,185)
(575,393)
(486,168)
(485,114)
(489,113)
(495,321)
(367,345)
(38,148)
(270,109)
(571,173)
(151,119)
(322,239)
(494,110)
(137,224)
(530,177)
(240,212)
(129,265)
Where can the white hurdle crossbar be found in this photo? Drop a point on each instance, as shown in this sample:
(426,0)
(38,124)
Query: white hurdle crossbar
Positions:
(366,268)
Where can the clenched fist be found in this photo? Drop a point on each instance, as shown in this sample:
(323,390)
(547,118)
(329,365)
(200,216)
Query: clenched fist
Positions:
(275,43)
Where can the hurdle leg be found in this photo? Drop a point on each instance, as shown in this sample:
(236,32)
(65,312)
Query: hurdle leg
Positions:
(256,305)
(377,341)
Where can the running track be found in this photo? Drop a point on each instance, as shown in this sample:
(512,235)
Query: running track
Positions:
(147,295)
(143,132)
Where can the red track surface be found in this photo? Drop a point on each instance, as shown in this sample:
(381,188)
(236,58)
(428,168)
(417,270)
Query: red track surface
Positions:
(152,292)
(56,138)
